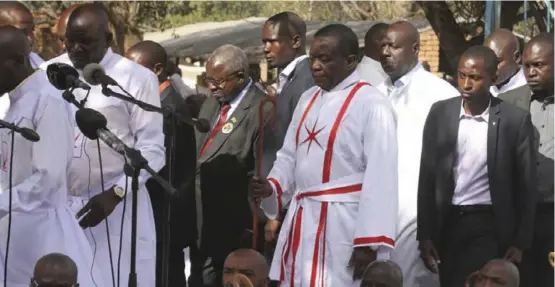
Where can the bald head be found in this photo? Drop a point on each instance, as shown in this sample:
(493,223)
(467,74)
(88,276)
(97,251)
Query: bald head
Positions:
(506,47)
(150,55)
(247,262)
(18,15)
(498,270)
(62,22)
(87,26)
(55,269)
(400,49)
(382,273)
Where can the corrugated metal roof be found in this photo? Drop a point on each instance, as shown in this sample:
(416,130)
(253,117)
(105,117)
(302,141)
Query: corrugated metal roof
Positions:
(246,35)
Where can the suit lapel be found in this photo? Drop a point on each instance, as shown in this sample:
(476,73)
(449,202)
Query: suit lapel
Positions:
(493,129)
(453,120)
(293,75)
(235,119)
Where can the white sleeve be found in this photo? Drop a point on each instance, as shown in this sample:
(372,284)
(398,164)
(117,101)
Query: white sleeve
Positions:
(50,160)
(282,177)
(377,211)
(147,128)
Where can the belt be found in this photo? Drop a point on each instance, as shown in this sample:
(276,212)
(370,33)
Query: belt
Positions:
(471,209)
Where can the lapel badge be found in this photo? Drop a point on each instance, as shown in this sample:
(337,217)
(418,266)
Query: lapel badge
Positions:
(233,119)
(227,128)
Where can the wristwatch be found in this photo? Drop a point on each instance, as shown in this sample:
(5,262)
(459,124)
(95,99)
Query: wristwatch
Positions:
(120,192)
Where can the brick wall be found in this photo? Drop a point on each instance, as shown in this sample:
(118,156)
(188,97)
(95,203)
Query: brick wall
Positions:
(429,49)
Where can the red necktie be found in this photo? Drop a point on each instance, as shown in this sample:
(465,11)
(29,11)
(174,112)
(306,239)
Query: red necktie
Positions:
(223,118)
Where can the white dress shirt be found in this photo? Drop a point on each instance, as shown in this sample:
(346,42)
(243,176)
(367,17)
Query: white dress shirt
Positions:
(371,71)
(516,81)
(234,103)
(285,73)
(471,166)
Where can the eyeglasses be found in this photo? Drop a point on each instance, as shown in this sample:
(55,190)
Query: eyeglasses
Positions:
(34,283)
(220,83)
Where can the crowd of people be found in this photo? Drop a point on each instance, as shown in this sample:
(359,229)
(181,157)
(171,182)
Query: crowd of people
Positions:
(350,171)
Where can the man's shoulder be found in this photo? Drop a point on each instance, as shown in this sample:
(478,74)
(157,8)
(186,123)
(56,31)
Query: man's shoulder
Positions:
(510,110)
(434,84)
(303,79)
(126,68)
(514,94)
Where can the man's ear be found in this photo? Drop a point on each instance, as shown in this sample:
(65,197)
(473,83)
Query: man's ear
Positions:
(297,42)
(109,38)
(416,49)
(241,77)
(158,69)
(517,57)
(351,62)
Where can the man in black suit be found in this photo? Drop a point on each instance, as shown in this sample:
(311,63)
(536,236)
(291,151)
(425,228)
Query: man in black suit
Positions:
(537,97)
(477,176)
(180,161)
(284,39)
(226,161)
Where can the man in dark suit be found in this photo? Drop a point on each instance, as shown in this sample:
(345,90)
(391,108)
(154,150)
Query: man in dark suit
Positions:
(284,39)
(537,97)
(226,161)
(180,162)
(477,176)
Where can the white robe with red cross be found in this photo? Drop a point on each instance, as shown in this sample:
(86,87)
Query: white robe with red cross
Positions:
(337,170)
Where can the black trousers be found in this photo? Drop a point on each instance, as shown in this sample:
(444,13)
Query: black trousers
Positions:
(535,268)
(468,242)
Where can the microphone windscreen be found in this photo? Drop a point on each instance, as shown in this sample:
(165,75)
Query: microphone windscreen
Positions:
(89,73)
(60,74)
(29,134)
(202,125)
(89,121)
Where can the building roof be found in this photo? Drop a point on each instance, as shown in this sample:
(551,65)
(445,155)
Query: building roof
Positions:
(246,35)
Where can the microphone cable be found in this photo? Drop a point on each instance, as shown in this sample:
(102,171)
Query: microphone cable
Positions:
(121,228)
(89,191)
(106,219)
(10,176)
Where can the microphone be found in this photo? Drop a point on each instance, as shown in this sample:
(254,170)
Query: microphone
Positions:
(27,133)
(94,75)
(93,125)
(63,76)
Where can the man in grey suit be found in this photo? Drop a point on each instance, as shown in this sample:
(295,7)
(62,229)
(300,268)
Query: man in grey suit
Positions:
(537,97)
(226,162)
(284,39)
(477,182)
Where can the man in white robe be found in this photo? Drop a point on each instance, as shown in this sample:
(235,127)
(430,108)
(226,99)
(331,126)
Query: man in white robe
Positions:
(87,41)
(42,222)
(16,14)
(337,170)
(412,91)
(369,67)
(506,47)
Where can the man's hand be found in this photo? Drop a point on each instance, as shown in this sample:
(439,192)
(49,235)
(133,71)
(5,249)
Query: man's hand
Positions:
(98,208)
(429,255)
(361,257)
(270,230)
(514,255)
(261,188)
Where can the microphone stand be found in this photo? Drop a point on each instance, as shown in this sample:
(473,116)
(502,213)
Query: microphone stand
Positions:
(132,169)
(170,113)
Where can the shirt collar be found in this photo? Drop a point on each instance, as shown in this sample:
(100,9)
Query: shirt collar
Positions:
(24,87)
(106,58)
(352,79)
(484,115)
(404,80)
(235,102)
(286,73)
(517,80)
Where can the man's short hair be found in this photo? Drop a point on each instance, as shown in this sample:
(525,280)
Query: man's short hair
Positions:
(347,40)
(294,23)
(234,58)
(375,33)
(489,57)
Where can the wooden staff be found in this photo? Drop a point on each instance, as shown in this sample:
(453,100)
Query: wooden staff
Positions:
(259,155)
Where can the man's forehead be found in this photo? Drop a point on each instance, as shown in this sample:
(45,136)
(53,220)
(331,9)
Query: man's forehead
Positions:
(324,44)
(538,50)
